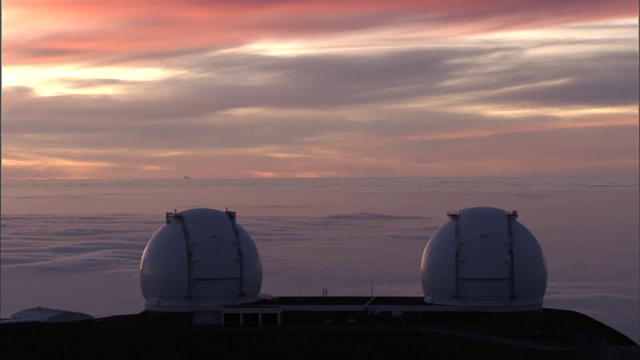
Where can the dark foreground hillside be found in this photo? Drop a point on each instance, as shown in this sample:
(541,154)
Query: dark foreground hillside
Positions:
(558,335)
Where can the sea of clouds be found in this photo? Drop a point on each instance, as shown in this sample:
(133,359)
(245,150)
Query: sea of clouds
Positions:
(76,245)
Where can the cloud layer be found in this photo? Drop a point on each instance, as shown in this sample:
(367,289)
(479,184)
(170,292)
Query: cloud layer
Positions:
(76,244)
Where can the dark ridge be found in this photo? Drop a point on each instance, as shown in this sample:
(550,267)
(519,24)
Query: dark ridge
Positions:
(543,334)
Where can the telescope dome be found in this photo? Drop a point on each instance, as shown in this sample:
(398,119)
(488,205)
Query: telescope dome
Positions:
(200,259)
(484,258)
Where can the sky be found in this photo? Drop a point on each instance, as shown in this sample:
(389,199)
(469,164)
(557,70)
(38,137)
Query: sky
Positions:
(308,88)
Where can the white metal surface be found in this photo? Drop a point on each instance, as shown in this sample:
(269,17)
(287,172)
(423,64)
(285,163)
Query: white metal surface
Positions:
(483,257)
(199,260)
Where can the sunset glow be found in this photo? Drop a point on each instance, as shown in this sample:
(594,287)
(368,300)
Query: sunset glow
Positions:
(318,88)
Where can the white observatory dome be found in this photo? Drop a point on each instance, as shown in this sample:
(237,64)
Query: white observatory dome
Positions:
(200,259)
(483,259)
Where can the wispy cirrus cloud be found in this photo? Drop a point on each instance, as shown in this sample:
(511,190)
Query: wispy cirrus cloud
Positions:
(308,88)
(93,32)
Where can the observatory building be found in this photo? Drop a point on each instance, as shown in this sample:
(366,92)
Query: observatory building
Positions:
(484,259)
(198,261)
(202,262)
(41,314)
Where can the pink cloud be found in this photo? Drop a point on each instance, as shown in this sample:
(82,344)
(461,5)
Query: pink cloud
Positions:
(72,31)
